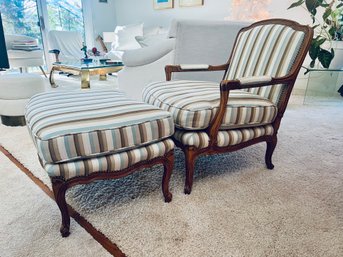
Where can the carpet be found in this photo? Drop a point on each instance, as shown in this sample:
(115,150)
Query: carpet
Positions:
(237,206)
(28,221)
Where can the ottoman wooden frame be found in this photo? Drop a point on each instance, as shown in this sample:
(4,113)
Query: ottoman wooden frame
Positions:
(60,185)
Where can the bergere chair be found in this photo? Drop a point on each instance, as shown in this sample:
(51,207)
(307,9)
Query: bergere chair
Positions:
(247,106)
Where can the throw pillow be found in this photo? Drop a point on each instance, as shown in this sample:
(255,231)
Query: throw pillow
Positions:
(125,37)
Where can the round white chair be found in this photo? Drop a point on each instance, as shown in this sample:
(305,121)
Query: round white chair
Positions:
(15,92)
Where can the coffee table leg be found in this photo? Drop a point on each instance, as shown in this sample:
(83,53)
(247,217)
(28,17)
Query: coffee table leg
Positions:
(51,78)
(103,76)
(85,84)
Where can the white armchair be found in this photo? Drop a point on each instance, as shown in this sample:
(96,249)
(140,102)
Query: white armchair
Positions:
(21,58)
(66,45)
(195,42)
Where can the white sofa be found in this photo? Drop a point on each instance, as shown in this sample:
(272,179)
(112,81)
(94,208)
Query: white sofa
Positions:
(191,42)
(130,37)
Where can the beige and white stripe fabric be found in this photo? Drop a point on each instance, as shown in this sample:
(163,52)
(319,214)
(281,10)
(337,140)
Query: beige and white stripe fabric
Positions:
(268,50)
(193,105)
(109,163)
(73,125)
(225,137)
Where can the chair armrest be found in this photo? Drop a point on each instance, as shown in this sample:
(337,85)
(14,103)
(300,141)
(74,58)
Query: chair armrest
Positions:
(56,52)
(256,81)
(169,69)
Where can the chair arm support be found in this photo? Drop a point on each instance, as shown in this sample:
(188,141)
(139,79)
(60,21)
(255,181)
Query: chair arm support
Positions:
(56,52)
(250,82)
(169,69)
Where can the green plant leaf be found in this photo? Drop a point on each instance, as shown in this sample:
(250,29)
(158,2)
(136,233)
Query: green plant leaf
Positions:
(327,13)
(313,18)
(298,3)
(311,6)
(332,31)
(313,62)
(324,5)
(325,57)
(321,41)
(314,50)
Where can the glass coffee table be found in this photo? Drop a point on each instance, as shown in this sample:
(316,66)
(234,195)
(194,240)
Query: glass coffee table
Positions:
(85,70)
(322,86)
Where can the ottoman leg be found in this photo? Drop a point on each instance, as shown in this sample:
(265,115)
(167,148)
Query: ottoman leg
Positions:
(59,187)
(168,168)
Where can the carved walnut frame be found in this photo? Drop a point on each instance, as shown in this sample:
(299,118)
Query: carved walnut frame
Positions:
(60,185)
(191,152)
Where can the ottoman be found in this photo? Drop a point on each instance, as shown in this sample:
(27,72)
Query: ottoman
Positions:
(15,92)
(82,136)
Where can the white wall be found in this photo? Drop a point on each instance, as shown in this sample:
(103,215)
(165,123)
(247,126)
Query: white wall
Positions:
(98,17)
(104,16)
(136,11)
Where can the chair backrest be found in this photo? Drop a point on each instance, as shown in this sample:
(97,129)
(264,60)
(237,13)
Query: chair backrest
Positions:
(204,42)
(269,47)
(68,42)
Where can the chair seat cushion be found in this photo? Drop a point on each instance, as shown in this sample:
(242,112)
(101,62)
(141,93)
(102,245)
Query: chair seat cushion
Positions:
(76,125)
(193,105)
(225,137)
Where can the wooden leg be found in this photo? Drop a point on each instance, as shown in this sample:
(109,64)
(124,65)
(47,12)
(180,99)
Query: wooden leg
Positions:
(85,79)
(59,187)
(190,163)
(103,76)
(51,78)
(41,68)
(270,150)
(168,168)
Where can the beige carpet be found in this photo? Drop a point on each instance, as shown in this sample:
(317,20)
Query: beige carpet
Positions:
(237,207)
(28,221)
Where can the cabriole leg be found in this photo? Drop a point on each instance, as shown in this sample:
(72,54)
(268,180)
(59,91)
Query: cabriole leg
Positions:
(270,150)
(59,187)
(190,163)
(168,168)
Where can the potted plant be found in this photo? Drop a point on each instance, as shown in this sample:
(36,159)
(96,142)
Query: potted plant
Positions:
(328,29)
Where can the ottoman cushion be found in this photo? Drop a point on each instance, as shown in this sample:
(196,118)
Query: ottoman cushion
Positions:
(109,163)
(20,86)
(71,126)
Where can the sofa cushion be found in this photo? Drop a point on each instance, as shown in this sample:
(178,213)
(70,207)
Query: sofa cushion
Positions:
(193,105)
(125,37)
(224,138)
(83,124)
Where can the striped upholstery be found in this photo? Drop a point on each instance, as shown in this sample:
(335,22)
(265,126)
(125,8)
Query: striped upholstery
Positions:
(265,50)
(225,137)
(109,163)
(193,105)
(69,126)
